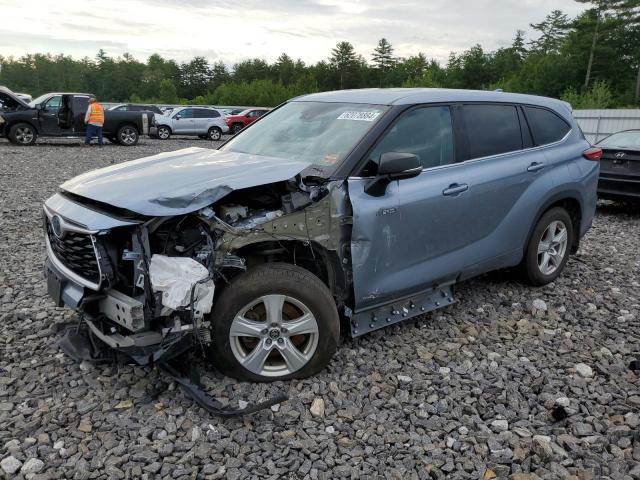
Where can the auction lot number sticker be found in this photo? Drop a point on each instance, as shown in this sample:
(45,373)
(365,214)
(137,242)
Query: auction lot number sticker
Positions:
(363,116)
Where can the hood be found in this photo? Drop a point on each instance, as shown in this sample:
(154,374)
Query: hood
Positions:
(180,182)
(6,93)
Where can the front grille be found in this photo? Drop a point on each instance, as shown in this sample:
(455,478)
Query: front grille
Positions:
(75,250)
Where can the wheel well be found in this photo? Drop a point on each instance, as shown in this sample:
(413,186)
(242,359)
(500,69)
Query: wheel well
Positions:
(8,126)
(166,126)
(311,256)
(572,206)
(128,124)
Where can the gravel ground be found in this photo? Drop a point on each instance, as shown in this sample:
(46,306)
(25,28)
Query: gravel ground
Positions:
(469,391)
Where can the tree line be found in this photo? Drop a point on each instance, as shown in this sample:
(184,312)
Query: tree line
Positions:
(592,60)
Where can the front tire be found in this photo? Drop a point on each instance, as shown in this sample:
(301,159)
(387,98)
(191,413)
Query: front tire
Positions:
(214,134)
(164,133)
(127,136)
(236,128)
(274,322)
(549,246)
(22,134)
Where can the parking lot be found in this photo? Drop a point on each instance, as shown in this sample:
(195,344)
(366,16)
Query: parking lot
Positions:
(511,379)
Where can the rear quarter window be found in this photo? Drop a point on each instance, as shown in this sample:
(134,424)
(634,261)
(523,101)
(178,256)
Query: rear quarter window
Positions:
(546,126)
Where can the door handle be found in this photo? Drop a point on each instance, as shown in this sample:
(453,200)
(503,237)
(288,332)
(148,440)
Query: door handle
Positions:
(455,189)
(535,166)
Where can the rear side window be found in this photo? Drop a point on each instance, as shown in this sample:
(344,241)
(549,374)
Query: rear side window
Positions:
(491,129)
(204,113)
(426,132)
(546,126)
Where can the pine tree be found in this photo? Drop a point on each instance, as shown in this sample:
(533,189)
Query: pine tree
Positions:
(383,59)
(518,45)
(343,58)
(553,31)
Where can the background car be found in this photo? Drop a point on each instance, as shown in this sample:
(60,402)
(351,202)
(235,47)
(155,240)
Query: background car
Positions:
(131,107)
(620,166)
(201,121)
(244,118)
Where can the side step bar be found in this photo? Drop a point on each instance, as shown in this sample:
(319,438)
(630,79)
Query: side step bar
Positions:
(379,317)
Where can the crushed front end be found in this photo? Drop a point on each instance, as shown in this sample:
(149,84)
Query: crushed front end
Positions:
(99,265)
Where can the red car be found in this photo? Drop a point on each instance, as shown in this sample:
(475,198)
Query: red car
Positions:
(244,118)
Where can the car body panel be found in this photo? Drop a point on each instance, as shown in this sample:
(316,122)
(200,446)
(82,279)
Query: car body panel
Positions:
(175,183)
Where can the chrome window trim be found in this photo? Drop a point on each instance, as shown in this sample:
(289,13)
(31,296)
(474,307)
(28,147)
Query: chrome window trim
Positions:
(489,157)
(80,280)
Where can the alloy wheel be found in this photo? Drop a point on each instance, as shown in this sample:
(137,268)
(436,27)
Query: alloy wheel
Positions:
(274,335)
(552,247)
(215,134)
(24,135)
(128,135)
(163,133)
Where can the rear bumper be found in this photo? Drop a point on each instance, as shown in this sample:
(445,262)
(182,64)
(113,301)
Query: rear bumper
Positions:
(617,186)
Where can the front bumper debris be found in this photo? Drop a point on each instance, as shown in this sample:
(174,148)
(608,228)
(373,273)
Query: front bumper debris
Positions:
(80,343)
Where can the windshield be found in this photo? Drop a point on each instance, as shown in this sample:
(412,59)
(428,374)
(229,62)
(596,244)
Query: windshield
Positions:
(38,100)
(318,133)
(629,139)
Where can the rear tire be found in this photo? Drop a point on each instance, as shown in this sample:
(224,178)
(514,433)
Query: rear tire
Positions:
(299,302)
(128,136)
(549,246)
(22,134)
(214,134)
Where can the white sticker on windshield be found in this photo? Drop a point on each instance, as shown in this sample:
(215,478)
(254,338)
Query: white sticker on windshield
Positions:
(364,116)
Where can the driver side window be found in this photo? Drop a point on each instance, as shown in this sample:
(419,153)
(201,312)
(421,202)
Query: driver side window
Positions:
(426,132)
(53,104)
(186,113)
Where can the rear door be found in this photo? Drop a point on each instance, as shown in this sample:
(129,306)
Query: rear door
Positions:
(499,165)
(201,120)
(80,104)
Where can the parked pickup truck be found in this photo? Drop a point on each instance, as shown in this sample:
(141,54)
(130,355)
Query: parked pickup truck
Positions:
(62,115)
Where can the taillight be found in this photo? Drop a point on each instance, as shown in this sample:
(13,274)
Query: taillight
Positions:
(593,153)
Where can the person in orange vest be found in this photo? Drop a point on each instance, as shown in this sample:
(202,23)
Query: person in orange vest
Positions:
(94,118)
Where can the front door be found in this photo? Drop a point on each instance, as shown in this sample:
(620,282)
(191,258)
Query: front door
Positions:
(48,115)
(183,122)
(409,238)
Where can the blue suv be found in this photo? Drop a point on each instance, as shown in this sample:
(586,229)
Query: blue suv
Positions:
(350,209)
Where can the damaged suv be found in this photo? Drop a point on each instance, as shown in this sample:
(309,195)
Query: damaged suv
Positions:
(356,208)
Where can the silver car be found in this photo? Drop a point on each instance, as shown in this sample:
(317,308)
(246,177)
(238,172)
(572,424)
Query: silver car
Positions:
(201,121)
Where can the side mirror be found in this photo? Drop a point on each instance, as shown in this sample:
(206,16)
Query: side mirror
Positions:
(177,117)
(39,106)
(393,166)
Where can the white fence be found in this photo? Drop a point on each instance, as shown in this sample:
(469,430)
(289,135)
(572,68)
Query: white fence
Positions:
(597,124)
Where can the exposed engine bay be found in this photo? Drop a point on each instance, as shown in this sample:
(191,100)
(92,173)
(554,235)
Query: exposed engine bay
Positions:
(150,284)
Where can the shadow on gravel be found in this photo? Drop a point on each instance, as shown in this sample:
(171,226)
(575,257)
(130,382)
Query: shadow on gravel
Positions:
(619,208)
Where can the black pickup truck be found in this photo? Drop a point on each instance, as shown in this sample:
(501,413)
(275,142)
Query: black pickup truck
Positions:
(62,115)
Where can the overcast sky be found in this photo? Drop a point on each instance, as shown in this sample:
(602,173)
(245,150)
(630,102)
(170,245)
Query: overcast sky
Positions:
(240,29)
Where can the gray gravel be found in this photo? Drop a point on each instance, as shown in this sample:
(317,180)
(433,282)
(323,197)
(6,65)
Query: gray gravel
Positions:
(465,392)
